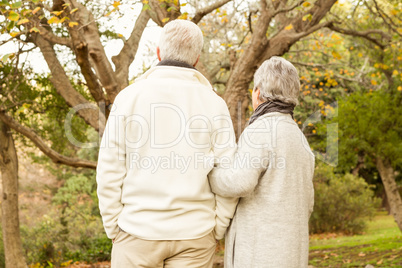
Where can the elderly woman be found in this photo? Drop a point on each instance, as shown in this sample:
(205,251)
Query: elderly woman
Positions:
(272,173)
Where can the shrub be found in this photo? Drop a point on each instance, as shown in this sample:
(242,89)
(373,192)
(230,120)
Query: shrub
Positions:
(72,229)
(343,203)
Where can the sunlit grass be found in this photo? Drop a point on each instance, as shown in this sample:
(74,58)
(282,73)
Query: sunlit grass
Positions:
(380,245)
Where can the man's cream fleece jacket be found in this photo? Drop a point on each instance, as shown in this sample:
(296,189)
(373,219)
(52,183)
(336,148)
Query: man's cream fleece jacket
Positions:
(163,136)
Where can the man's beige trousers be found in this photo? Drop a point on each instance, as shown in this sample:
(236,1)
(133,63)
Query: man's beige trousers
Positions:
(131,252)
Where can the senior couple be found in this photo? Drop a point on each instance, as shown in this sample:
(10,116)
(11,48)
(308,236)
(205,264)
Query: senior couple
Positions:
(172,181)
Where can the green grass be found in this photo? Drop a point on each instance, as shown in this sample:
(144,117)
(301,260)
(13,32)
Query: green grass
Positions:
(380,245)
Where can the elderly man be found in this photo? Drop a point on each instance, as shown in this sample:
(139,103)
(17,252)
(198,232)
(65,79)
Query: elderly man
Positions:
(164,134)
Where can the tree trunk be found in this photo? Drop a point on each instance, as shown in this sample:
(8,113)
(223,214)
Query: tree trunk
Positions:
(9,206)
(394,198)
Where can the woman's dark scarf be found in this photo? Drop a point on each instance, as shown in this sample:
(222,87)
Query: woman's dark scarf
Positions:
(270,107)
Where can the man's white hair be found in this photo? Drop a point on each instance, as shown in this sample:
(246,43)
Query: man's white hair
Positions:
(181,40)
(277,79)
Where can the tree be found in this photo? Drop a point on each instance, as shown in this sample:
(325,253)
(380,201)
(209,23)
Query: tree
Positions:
(370,118)
(14,253)
(376,134)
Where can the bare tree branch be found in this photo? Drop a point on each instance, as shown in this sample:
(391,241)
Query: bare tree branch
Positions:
(54,39)
(364,34)
(41,144)
(283,10)
(204,11)
(164,9)
(89,36)
(387,20)
(126,56)
(91,79)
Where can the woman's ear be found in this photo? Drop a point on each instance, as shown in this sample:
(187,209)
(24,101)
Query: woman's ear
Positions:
(257,91)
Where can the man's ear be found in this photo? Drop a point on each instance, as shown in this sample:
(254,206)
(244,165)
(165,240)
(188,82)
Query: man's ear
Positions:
(158,53)
(197,60)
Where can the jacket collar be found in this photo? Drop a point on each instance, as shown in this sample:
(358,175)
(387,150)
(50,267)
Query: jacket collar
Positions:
(175,63)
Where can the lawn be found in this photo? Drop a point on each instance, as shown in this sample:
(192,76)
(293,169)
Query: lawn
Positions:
(380,245)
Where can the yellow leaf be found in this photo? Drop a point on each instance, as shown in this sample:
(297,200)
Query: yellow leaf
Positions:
(74,10)
(183,16)
(64,19)
(289,27)
(14,34)
(165,20)
(35,10)
(373,82)
(23,21)
(53,20)
(116,4)
(307,17)
(306,4)
(72,24)
(34,29)
(13,16)
(120,35)
(399,88)
(26,12)
(336,55)
(57,13)
(395,72)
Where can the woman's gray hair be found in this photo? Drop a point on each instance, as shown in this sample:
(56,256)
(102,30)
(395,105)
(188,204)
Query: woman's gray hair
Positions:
(279,80)
(181,40)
